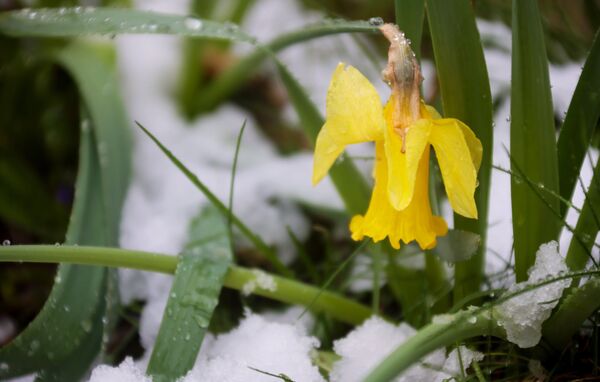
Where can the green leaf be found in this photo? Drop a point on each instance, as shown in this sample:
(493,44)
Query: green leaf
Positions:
(194,295)
(465,95)
(457,246)
(79,21)
(65,323)
(349,183)
(575,308)
(255,239)
(66,336)
(233,78)
(581,119)
(532,138)
(409,18)
(587,227)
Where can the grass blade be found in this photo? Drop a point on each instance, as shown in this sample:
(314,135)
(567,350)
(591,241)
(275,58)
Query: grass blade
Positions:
(349,183)
(78,21)
(43,343)
(233,78)
(194,295)
(587,227)
(532,142)
(255,239)
(465,95)
(581,119)
(575,308)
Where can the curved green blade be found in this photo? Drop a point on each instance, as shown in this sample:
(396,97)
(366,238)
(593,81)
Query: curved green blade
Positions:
(532,138)
(64,339)
(465,95)
(581,119)
(588,224)
(233,78)
(194,295)
(79,21)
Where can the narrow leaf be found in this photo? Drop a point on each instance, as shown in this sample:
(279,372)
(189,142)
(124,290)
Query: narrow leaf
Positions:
(466,95)
(194,295)
(587,227)
(532,137)
(233,78)
(78,21)
(255,239)
(66,336)
(580,122)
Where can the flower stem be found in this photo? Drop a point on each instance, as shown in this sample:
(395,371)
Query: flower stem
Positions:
(286,290)
(431,337)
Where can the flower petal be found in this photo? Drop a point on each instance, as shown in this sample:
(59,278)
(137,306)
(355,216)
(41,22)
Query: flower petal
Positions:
(354,115)
(402,167)
(415,222)
(457,166)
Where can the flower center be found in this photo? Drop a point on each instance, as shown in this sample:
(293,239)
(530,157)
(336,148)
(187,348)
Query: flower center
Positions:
(403,75)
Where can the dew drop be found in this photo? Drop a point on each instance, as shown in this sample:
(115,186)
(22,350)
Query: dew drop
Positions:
(376,21)
(86,326)
(192,24)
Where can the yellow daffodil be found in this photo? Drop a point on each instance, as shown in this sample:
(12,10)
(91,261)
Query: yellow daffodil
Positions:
(403,132)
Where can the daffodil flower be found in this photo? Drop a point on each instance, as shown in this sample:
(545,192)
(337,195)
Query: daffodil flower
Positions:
(403,131)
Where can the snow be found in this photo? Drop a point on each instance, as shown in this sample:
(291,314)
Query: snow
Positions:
(267,346)
(257,343)
(370,343)
(523,315)
(261,280)
(127,371)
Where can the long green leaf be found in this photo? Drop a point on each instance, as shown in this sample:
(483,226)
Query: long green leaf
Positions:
(465,95)
(78,21)
(587,226)
(232,79)
(63,324)
(194,295)
(532,137)
(349,183)
(65,338)
(580,122)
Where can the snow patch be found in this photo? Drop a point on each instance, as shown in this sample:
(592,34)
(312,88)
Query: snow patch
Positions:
(261,280)
(523,315)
